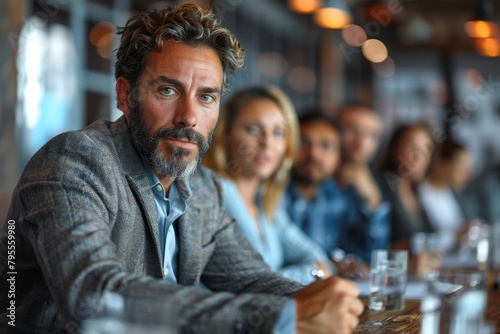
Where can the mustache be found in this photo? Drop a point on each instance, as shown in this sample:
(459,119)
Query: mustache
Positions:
(182,134)
(315,162)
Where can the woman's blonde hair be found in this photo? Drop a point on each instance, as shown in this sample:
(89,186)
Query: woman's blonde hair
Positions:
(216,157)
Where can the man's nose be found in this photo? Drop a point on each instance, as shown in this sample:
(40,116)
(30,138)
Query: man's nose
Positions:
(186,113)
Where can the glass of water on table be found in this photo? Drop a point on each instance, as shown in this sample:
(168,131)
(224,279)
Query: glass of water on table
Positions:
(388,278)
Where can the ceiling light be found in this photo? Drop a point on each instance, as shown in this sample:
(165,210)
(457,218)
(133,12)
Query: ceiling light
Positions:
(334,14)
(304,6)
(482,25)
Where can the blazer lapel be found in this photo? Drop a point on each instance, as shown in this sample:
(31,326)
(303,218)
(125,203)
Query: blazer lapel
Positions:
(190,247)
(144,196)
(137,179)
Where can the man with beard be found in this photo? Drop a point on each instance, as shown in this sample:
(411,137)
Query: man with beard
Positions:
(313,200)
(120,211)
(361,129)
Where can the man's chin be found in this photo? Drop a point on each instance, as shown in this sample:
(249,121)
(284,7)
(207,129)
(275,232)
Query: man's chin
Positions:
(313,174)
(307,180)
(357,159)
(183,155)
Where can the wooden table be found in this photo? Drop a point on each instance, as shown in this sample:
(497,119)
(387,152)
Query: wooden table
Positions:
(408,321)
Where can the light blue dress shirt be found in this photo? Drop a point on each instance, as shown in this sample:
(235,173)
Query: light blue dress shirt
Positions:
(338,218)
(284,247)
(171,206)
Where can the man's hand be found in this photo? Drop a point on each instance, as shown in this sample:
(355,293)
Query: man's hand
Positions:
(352,268)
(328,306)
(360,177)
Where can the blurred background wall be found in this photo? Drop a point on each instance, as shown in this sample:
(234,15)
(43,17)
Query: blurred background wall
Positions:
(413,60)
(11,21)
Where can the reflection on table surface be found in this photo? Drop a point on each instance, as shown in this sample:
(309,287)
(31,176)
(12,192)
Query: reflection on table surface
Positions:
(408,320)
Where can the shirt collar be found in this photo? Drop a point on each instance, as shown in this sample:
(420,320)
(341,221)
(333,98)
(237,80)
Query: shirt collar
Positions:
(182,184)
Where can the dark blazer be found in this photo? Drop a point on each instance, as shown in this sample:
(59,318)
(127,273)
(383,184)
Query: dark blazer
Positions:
(402,224)
(480,197)
(85,223)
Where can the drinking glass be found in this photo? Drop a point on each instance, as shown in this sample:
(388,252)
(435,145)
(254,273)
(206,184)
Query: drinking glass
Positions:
(475,244)
(454,302)
(388,278)
(427,252)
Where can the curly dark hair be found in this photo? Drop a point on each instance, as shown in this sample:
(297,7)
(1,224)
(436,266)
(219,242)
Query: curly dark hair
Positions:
(187,23)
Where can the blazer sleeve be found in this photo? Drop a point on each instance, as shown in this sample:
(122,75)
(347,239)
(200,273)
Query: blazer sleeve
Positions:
(63,209)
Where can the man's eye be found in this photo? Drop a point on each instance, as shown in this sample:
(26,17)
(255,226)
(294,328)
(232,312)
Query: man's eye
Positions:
(167,91)
(207,98)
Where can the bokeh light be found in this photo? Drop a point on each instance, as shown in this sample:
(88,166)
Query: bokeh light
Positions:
(385,69)
(474,79)
(353,35)
(489,47)
(332,18)
(302,79)
(101,36)
(374,50)
(481,29)
(304,6)
(272,64)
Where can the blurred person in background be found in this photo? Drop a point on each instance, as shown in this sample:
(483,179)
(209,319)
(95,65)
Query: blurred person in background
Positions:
(313,199)
(403,167)
(449,174)
(361,129)
(255,143)
(480,197)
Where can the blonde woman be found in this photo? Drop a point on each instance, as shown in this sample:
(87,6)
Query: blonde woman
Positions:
(254,145)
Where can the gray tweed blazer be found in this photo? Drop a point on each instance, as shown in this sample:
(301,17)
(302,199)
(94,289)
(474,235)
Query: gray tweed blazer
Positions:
(85,223)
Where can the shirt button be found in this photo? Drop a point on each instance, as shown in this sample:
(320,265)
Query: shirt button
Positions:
(159,187)
(165,272)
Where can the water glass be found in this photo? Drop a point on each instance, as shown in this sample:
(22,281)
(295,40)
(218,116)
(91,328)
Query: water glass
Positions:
(454,303)
(476,244)
(388,277)
(427,251)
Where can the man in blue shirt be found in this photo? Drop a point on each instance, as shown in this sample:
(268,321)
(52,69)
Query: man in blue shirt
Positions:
(123,207)
(361,130)
(313,200)
(316,203)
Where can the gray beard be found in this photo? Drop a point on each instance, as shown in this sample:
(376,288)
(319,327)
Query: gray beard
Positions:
(147,143)
(173,166)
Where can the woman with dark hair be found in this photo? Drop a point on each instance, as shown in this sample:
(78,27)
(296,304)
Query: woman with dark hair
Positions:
(448,174)
(403,167)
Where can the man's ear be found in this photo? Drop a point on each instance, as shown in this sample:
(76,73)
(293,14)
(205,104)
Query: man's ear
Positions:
(123,94)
